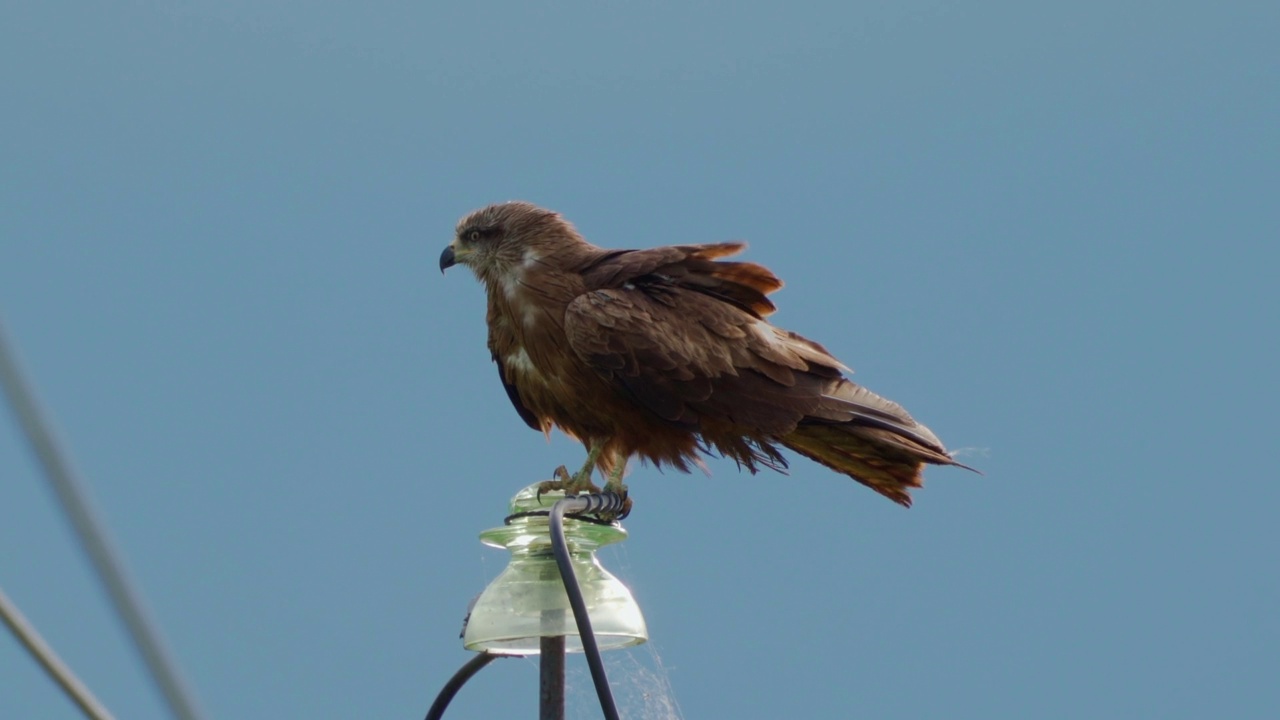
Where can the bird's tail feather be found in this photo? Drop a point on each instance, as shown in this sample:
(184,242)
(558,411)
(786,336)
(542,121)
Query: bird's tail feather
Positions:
(881,459)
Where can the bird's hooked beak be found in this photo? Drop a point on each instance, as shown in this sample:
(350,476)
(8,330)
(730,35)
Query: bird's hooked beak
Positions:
(447,259)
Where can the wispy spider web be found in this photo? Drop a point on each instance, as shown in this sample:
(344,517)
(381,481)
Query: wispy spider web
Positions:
(640,682)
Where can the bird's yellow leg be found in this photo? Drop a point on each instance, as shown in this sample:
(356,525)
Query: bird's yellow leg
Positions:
(614,481)
(615,485)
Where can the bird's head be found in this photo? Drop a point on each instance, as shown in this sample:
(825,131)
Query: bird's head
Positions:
(498,240)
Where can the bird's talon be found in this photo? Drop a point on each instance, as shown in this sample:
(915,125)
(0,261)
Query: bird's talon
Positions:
(560,483)
(626,508)
(570,485)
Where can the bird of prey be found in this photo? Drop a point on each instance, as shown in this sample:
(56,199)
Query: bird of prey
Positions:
(666,353)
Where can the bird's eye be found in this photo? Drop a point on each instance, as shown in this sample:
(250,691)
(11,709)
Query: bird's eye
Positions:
(474,235)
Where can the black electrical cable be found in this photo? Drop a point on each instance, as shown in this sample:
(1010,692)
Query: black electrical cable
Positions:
(456,682)
(583,503)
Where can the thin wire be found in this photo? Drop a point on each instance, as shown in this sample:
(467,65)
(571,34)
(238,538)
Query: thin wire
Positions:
(582,503)
(93,536)
(49,660)
(460,678)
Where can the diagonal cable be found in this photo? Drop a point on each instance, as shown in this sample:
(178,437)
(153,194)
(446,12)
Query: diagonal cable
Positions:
(49,660)
(93,536)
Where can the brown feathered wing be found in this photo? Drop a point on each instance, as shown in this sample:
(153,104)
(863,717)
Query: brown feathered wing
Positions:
(684,336)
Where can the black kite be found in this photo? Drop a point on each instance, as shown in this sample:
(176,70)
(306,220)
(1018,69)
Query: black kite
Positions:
(665,353)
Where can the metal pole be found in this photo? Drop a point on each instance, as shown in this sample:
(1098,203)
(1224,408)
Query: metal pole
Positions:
(551,679)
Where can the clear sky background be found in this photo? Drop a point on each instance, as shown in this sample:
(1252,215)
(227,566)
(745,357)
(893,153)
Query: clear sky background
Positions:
(1049,230)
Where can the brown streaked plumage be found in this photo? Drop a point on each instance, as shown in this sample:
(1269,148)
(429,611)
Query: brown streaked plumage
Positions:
(665,353)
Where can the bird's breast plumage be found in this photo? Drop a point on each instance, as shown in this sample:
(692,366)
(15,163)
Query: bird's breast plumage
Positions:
(544,376)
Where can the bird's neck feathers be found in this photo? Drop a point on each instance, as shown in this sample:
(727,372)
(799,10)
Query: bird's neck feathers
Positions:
(529,292)
(548,267)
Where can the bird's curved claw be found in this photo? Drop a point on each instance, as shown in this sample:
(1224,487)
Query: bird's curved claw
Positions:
(560,483)
(626,507)
(571,485)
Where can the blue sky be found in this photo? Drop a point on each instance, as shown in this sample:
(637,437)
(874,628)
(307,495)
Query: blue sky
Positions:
(1049,231)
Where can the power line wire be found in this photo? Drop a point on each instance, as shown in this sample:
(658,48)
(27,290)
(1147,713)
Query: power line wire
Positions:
(49,660)
(93,536)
